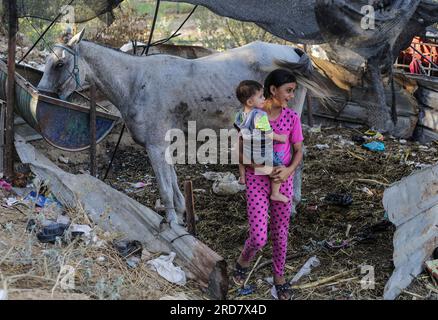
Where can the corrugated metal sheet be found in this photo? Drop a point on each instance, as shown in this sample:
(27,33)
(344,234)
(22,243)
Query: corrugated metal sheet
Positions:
(412,205)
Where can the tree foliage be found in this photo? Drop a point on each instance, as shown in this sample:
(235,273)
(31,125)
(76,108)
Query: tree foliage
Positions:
(221,33)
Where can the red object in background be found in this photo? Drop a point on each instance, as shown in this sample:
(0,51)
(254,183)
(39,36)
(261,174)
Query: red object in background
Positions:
(414,59)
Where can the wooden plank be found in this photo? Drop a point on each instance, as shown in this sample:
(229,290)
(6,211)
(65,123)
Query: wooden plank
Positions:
(190,207)
(93,160)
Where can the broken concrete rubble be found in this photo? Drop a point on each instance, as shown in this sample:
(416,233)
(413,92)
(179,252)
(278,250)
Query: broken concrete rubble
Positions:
(115,212)
(412,205)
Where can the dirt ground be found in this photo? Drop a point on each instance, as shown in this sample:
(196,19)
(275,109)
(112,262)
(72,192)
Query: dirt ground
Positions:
(343,167)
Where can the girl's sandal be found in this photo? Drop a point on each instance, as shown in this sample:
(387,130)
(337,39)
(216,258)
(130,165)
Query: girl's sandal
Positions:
(284,291)
(240,274)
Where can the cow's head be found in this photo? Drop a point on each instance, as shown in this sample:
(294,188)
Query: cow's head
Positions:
(64,71)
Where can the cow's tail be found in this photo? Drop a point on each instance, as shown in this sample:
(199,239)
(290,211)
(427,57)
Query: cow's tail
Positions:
(307,77)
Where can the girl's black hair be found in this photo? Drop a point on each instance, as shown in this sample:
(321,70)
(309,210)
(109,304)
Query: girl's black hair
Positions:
(277,78)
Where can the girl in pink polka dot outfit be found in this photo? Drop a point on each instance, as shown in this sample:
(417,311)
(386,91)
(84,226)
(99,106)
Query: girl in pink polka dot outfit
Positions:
(279,88)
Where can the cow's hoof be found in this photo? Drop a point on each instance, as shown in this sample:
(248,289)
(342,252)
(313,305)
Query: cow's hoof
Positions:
(174,219)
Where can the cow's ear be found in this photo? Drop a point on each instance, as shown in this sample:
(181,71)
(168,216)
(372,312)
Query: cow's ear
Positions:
(76,39)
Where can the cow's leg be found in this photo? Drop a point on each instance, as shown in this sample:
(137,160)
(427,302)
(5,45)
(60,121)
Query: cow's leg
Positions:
(165,174)
(178,197)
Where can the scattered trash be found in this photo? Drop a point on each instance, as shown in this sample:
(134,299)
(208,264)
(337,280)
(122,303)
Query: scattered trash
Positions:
(41,200)
(339,199)
(215,176)
(63,159)
(432,267)
(375,135)
(199,191)
(31,224)
(165,268)
(368,234)
(3,295)
(359,139)
(367,191)
(101,259)
(306,269)
(133,262)
(403,141)
(375,146)
(312,208)
(322,146)
(246,291)
(127,248)
(5,185)
(11,201)
(78,230)
(347,233)
(63,220)
(225,183)
(336,244)
(138,185)
(224,188)
(316,129)
(51,232)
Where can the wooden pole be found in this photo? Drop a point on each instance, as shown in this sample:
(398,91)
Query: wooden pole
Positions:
(190,207)
(2,135)
(10,94)
(309,101)
(93,162)
(309,111)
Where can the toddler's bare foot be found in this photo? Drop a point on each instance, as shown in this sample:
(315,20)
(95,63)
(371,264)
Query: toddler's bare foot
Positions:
(242,180)
(279,197)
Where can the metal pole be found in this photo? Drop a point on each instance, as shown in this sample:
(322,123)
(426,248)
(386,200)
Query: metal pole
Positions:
(93,162)
(10,94)
(190,207)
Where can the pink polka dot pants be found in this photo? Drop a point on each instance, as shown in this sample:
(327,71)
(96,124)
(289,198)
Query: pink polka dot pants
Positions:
(258,190)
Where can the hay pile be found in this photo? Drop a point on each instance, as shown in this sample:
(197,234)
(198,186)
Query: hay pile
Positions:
(30,269)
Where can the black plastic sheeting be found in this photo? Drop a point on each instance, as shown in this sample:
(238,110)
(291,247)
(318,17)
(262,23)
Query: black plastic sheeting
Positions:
(333,21)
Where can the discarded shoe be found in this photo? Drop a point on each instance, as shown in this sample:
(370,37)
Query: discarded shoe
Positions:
(339,199)
(51,232)
(128,248)
(358,139)
(31,224)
